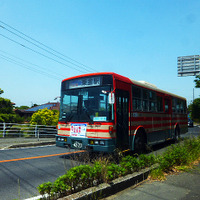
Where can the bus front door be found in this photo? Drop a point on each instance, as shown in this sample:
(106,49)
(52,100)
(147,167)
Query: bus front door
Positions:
(122,112)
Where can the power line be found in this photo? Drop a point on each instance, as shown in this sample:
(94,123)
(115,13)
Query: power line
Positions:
(41,47)
(39,53)
(29,63)
(82,65)
(29,68)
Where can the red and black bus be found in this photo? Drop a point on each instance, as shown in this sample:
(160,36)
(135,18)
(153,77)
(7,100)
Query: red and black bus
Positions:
(107,111)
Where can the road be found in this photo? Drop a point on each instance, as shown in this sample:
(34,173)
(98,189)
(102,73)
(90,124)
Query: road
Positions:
(22,170)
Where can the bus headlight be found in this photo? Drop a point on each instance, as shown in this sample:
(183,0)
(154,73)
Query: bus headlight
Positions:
(102,142)
(97,142)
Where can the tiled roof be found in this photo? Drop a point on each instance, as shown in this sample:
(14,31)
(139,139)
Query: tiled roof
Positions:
(36,108)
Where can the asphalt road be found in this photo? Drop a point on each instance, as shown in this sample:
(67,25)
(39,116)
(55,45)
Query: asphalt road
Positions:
(22,170)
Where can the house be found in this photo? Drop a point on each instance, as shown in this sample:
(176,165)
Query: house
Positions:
(29,112)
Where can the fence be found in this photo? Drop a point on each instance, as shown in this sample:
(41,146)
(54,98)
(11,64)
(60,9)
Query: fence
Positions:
(27,130)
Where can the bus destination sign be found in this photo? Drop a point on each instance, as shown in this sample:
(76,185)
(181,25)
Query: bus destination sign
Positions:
(85,82)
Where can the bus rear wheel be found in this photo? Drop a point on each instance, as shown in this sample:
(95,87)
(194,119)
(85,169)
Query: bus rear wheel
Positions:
(140,143)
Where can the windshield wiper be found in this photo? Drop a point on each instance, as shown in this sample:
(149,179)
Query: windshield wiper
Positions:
(69,117)
(87,114)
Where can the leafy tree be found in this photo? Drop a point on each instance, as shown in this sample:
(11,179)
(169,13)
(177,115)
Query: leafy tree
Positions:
(197,81)
(33,105)
(1,91)
(194,108)
(6,112)
(45,117)
(22,107)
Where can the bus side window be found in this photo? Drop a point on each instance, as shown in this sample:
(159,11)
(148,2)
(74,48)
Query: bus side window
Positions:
(174,105)
(166,105)
(137,95)
(145,100)
(152,101)
(159,104)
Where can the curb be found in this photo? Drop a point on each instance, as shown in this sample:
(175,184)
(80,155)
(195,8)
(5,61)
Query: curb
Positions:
(106,189)
(31,144)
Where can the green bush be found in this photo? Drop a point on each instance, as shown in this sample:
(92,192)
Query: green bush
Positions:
(45,117)
(45,188)
(146,160)
(114,171)
(60,188)
(97,172)
(130,164)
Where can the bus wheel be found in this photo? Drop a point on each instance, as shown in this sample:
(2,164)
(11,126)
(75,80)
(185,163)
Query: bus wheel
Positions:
(139,142)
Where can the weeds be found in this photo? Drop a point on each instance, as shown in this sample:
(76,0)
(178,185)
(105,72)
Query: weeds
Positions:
(178,157)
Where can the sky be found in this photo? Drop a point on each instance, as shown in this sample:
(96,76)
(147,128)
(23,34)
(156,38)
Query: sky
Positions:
(139,39)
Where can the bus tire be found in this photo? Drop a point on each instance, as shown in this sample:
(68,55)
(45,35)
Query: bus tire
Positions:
(140,142)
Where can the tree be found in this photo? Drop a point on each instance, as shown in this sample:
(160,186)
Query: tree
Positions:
(197,81)
(194,108)
(1,91)
(22,107)
(45,117)
(6,111)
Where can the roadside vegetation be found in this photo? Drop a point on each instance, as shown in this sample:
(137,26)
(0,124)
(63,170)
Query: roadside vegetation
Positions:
(104,170)
(45,117)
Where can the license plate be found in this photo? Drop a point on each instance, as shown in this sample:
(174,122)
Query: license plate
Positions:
(77,144)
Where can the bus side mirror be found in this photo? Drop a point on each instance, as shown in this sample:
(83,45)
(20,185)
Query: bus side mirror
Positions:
(111,98)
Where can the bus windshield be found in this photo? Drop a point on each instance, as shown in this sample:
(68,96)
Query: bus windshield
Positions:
(88,104)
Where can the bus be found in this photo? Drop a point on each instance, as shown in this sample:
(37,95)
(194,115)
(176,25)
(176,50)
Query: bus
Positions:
(102,112)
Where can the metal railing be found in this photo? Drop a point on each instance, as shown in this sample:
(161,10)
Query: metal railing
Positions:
(27,130)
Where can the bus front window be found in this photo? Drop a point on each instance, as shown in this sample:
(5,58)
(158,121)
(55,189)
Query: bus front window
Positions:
(86,105)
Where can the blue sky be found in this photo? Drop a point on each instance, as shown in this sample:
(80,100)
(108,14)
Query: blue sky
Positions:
(140,39)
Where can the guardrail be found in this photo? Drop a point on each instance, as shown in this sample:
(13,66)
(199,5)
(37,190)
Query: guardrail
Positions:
(27,130)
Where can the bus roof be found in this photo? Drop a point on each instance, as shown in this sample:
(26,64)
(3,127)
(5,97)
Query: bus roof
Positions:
(131,81)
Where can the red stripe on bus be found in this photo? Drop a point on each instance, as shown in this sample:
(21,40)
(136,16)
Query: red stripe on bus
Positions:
(101,137)
(95,123)
(63,135)
(64,129)
(98,130)
(88,130)
(150,118)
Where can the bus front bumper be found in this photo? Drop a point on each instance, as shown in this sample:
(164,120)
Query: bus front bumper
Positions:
(90,144)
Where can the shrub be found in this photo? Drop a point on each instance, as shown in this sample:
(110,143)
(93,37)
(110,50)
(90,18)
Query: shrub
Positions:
(60,188)
(146,160)
(45,188)
(175,155)
(114,171)
(130,164)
